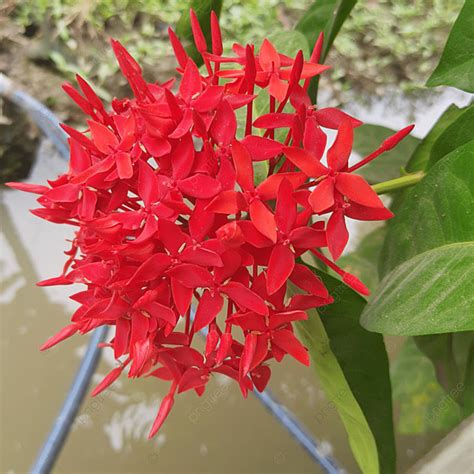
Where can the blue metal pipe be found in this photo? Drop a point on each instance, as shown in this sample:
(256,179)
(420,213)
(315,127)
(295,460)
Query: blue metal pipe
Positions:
(57,436)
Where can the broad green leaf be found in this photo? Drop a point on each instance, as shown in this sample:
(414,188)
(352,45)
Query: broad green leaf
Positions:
(338,391)
(203,10)
(437,211)
(325,16)
(290,42)
(363,361)
(463,348)
(368,138)
(452,358)
(362,262)
(468,399)
(421,155)
(439,349)
(260,171)
(448,354)
(456,66)
(431,293)
(423,405)
(455,135)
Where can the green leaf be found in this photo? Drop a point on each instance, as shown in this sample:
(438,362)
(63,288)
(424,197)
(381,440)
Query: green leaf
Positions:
(341,344)
(431,293)
(468,398)
(290,42)
(423,405)
(437,211)
(368,138)
(260,171)
(439,348)
(362,262)
(203,9)
(325,16)
(455,135)
(421,155)
(451,355)
(456,66)
(339,393)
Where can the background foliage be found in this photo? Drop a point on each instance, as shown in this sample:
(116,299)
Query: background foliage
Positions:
(370,55)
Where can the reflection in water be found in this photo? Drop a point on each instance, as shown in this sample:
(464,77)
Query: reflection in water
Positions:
(218,432)
(132,423)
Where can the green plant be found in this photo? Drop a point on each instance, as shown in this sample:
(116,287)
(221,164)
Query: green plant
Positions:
(426,260)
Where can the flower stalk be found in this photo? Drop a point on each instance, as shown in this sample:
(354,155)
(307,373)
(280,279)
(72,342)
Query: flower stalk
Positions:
(398,183)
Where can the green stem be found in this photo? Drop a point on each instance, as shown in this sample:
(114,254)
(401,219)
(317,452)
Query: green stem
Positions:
(398,183)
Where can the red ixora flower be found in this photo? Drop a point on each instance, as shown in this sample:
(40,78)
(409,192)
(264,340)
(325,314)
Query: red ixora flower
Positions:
(167,211)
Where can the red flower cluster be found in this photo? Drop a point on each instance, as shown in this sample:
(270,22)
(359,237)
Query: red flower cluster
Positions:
(167,210)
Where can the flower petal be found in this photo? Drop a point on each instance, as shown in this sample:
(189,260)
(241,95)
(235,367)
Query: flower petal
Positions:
(263,219)
(285,212)
(268,189)
(322,196)
(305,279)
(209,307)
(306,162)
(338,154)
(245,297)
(307,238)
(357,189)
(63,334)
(336,234)
(182,296)
(280,266)
(191,81)
(124,165)
(182,159)
(226,202)
(200,186)
(104,139)
(224,124)
(330,117)
(243,166)
(274,120)
(288,342)
(314,139)
(151,269)
(363,213)
(191,276)
(268,58)
(163,412)
(261,148)
(148,188)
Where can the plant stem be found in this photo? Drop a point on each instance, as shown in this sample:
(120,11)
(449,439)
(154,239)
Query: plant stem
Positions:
(398,183)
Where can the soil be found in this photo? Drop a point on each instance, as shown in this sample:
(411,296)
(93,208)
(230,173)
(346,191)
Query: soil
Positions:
(19,137)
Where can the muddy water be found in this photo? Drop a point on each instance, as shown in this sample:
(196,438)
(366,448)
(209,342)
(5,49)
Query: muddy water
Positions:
(219,432)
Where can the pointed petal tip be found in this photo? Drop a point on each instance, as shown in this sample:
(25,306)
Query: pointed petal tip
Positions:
(355,284)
